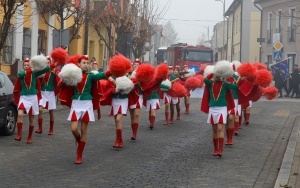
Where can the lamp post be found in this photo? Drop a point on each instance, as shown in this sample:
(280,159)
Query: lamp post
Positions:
(223,1)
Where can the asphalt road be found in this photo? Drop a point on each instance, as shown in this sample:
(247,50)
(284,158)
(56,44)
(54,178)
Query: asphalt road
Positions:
(177,155)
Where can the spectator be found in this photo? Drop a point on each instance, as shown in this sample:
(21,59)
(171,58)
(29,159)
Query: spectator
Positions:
(294,83)
(279,81)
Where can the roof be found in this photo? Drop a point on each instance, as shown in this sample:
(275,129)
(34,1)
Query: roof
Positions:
(233,6)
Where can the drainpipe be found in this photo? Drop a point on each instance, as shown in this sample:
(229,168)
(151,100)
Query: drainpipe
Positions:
(260,42)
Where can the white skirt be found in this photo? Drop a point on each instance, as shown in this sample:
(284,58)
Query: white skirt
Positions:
(81,110)
(217,114)
(237,108)
(174,100)
(167,98)
(152,104)
(138,104)
(119,106)
(48,100)
(29,103)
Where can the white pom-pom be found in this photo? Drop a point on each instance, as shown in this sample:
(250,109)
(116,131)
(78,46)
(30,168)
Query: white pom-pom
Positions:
(94,72)
(124,85)
(38,62)
(223,69)
(165,85)
(237,64)
(70,74)
(208,70)
(190,74)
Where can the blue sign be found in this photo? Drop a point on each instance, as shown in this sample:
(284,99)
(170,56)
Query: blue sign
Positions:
(277,56)
(283,66)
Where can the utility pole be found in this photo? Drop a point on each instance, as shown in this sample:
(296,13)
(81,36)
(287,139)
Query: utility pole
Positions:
(86,27)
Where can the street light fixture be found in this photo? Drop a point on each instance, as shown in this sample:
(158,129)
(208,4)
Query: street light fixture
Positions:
(223,1)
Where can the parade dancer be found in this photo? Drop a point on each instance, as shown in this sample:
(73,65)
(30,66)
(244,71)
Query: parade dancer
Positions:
(175,101)
(81,99)
(27,92)
(216,101)
(135,108)
(48,86)
(187,97)
(165,86)
(117,89)
(232,125)
(95,69)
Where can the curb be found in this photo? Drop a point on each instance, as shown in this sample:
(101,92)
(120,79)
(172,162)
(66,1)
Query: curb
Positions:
(287,162)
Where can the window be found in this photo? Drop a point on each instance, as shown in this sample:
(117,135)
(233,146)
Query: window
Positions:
(292,26)
(1,80)
(7,52)
(42,40)
(26,43)
(269,30)
(279,21)
(292,61)
(269,60)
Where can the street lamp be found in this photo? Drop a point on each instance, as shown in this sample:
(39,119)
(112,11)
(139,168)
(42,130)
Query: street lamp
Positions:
(223,1)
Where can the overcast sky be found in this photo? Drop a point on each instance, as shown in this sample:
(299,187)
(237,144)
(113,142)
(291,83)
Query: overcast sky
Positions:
(192,18)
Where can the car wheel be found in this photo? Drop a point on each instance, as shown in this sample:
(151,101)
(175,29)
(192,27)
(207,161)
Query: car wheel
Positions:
(9,121)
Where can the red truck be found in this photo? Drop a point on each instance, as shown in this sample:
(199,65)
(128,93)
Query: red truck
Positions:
(182,54)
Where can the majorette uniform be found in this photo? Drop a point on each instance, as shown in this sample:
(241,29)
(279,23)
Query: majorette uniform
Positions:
(163,92)
(80,99)
(236,111)
(217,101)
(174,100)
(48,100)
(26,96)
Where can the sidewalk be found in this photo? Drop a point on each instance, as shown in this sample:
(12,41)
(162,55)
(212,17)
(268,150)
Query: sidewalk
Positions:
(288,175)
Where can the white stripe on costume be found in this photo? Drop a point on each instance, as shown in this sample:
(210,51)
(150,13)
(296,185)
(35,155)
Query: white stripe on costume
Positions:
(152,104)
(30,102)
(48,96)
(167,98)
(215,113)
(174,100)
(119,105)
(138,104)
(80,107)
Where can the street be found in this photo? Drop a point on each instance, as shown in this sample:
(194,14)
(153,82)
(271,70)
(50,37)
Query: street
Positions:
(177,155)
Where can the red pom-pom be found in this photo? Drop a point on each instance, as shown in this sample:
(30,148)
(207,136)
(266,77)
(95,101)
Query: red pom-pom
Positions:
(177,90)
(193,83)
(202,67)
(270,92)
(59,56)
(247,70)
(200,76)
(119,65)
(263,78)
(103,84)
(73,59)
(260,66)
(162,71)
(145,73)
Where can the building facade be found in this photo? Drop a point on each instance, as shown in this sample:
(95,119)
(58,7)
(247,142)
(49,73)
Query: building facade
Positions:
(280,23)
(243,30)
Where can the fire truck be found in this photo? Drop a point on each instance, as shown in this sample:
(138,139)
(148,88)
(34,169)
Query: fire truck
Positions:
(182,54)
(161,55)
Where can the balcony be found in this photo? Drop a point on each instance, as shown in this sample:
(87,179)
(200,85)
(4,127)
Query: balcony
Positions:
(269,36)
(292,33)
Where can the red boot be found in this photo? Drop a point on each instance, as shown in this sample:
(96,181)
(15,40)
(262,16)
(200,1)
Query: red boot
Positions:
(77,139)
(51,132)
(152,120)
(99,114)
(229,133)
(29,138)
(178,114)
(247,116)
(40,129)
(216,146)
(236,128)
(220,150)
(119,139)
(19,136)
(80,149)
(167,118)
(134,128)
(187,108)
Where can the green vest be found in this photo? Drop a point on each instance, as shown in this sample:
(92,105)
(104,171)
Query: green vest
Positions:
(48,81)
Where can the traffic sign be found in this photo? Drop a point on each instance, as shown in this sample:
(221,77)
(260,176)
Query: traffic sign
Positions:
(277,56)
(277,45)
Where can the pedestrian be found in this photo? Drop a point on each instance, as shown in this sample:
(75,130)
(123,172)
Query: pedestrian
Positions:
(279,81)
(81,99)
(216,101)
(294,82)
(48,101)
(27,93)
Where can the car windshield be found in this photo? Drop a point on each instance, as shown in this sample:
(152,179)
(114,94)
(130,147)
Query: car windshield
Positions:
(198,56)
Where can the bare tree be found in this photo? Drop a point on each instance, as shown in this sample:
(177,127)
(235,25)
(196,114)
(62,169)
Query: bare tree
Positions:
(169,34)
(63,10)
(8,10)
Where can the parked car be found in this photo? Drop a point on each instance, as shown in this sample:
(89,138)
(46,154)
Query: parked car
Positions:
(8,110)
